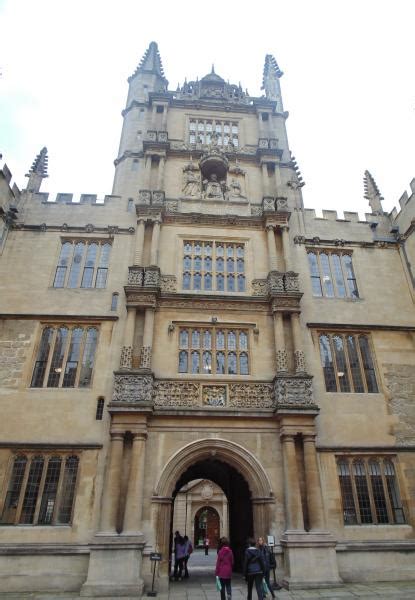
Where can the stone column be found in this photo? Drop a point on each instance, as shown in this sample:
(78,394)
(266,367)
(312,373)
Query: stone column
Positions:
(112,484)
(280,350)
(139,243)
(277,177)
(299,359)
(225,517)
(145,362)
(293,507)
(265,179)
(314,496)
(160,174)
(286,248)
(155,243)
(164,119)
(134,500)
(272,250)
(148,171)
(127,349)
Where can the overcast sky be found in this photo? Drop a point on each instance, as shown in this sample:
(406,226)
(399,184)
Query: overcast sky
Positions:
(348,83)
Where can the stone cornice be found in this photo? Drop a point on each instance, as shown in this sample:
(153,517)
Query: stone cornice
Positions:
(88,229)
(342,244)
(59,317)
(251,222)
(247,303)
(366,449)
(360,327)
(56,447)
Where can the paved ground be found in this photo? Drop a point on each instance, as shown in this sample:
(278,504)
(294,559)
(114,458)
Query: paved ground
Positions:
(201,586)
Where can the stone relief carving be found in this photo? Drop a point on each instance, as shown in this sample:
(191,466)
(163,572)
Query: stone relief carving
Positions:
(135,276)
(158,198)
(268,203)
(133,388)
(256,211)
(214,189)
(276,282)
(144,197)
(281,204)
(293,391)
(291,282)
(299,361)
(172,206)
(152,277)
(126,357)
(168,283)
(145,357)
(191,181)
(214,395)
(282,361)
(255,395)
(260,287)
(176,393)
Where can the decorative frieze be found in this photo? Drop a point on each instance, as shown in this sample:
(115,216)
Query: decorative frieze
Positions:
(152,277)
(144,277)
(276,282)
(147,198)
(135,276)
(133,388)
(291,283)
(251,395)
(158,198)
(293,391)
(260,287)
(168,283)
(176,394)
(144,197)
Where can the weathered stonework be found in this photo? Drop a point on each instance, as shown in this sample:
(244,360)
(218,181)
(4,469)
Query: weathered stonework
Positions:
(259,395)
(176,393)
(293,391)
(400,380)
(15,340)
(168,283)
(214,395)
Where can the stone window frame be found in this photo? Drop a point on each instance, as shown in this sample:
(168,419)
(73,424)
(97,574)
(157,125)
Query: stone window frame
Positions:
(214,272)
(369,489)
(349,367)
(98,279)
(42,376)
(324,282)
(202,349)
(217,125)
(37,492)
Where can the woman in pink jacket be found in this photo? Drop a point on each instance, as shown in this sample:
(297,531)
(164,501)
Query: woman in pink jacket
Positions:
(224,565)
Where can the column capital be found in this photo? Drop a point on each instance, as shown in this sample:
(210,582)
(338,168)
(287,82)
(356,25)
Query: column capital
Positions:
(269,227)
(309,437)
(117,435)
(287,437)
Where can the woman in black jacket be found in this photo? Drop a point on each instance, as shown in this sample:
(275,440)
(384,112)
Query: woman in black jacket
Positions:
(254,569)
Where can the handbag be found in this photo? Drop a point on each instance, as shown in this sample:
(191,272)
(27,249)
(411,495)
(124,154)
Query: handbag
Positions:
(265,587)
(218,584)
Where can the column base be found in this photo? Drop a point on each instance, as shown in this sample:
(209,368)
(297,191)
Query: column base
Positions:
(310,559)
(115,567)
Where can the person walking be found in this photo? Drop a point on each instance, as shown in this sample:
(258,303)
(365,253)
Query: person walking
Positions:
(224,566)
(188,549)
(266,557)
(180,556)
(176,541)
(254,569)
(206,545)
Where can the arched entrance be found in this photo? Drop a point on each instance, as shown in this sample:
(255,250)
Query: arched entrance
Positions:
(207,525)
(236,471)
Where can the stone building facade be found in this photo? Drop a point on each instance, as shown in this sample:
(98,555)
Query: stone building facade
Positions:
(200,323)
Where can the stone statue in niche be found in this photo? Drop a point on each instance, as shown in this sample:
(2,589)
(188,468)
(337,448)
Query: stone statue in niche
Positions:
(191,183)
(235,188)
(213,188)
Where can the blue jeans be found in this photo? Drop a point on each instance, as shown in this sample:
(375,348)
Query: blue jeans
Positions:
(257,578)
(225,583)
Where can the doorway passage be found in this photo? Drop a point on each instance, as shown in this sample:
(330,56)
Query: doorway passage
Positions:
(206,476)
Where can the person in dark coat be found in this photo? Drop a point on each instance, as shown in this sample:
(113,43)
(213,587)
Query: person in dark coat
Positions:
(266,557)
(224,566)
(254,569)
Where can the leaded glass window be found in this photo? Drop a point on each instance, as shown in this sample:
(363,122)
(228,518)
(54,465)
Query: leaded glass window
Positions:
(83,263)
(41,490)
(213,266)
(347,362)
(227,132)
(332,274)
(213,351)
(369,491)
(65,357)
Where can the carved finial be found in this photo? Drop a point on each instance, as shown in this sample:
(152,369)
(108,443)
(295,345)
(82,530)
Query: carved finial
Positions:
(372,194)
(272,74)
(38,171)
(40,164)
(297,182)
(151,62)
(213,70)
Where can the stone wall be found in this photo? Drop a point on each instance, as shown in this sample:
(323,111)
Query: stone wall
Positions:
(15,340)
(400,380)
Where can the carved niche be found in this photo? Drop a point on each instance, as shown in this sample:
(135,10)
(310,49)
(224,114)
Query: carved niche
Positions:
(191,181)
